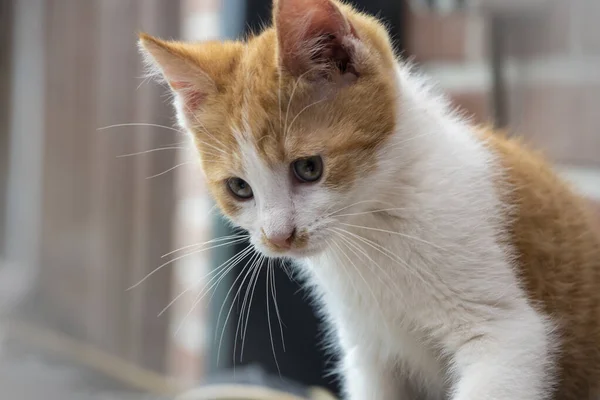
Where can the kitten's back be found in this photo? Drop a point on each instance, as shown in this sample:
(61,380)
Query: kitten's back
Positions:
(557,242)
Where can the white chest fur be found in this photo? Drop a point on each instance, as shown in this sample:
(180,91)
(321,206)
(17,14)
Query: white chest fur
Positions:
(425,294)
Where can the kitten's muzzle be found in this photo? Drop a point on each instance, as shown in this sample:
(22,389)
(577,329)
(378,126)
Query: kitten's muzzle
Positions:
(281,240)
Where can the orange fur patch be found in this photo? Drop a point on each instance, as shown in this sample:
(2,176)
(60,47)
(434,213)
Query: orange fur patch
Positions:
(558,254)
(285,116)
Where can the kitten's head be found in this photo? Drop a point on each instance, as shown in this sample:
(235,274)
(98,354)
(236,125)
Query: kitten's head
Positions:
(288,123)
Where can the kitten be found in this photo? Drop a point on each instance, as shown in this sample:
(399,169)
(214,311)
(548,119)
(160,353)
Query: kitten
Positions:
(452,263)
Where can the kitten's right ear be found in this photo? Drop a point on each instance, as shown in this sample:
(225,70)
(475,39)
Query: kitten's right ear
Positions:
(194,71)
(175,63)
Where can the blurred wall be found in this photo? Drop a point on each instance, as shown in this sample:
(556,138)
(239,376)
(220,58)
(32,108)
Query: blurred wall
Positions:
(551,59)
(5,68)
(88,223)
(551,69)
(189,327)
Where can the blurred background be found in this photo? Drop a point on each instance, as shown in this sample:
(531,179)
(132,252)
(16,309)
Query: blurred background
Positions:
(96,185)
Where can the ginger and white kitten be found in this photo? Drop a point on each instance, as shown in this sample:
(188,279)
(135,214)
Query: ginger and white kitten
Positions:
(452,263)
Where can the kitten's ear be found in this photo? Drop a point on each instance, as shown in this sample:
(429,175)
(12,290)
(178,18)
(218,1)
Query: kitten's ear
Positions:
(176,63)
(314,35)
(194,71)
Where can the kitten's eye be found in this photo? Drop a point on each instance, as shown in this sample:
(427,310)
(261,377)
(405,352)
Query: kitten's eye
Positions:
(308,169)
(239,188)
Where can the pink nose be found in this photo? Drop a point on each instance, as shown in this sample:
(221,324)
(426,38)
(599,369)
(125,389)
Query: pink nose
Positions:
(283,240)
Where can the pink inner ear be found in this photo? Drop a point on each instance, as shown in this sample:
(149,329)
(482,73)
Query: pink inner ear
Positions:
(192,98)
(305,23)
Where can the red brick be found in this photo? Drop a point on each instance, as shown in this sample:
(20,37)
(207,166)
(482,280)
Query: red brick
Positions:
(545,33)
(436,37)
(561,120)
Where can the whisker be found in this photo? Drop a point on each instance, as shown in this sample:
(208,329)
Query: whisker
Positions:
(256,255)
(250,262)
(152,151)
(226,266)
(240,324)
(179,258)
(358,248)
(292,97)
(404,235)
(355,204)
(211,145)
(274,295)
(279,100)
(219,239)
(432,276)
(370,270)
(301,111)
(205,129)
(269,320)
(141,124)
(389,255)
(258,268)
(395,145)
(359,274)
(372,212)
(170,169)
(250,248)
(340,262)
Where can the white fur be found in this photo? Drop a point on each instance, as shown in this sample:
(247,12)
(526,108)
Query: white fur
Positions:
(432,307)
(442,314)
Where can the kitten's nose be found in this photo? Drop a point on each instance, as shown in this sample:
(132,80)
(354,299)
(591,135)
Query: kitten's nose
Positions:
(281,239)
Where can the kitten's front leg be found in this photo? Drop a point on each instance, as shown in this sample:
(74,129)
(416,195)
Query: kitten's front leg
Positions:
(365,377)
(510,361)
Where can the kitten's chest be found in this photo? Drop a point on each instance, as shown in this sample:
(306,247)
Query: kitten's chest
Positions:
(386,286)
(375,302)
(378,301)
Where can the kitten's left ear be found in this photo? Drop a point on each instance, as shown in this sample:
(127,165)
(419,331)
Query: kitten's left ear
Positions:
(315,36)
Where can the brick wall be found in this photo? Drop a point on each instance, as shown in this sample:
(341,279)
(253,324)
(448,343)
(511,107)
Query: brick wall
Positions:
(553,59)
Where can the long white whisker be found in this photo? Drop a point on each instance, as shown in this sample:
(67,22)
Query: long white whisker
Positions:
(279,100)
(359,273)
(370,270)
(328,242)
(238,330)
(179,258)
(205,129)
(389,255)
(258,269)
(212,146)
(247,266)
(355,204)
(271,275)
(404,235)
(358,248)
(292,97)
(169,170)
(395,145)
(232,304)
(219,274)
(153,151)
(219,239)
(140,124)
(371,212)
(431,275)
(216,284)
(301,111)
(269,319)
